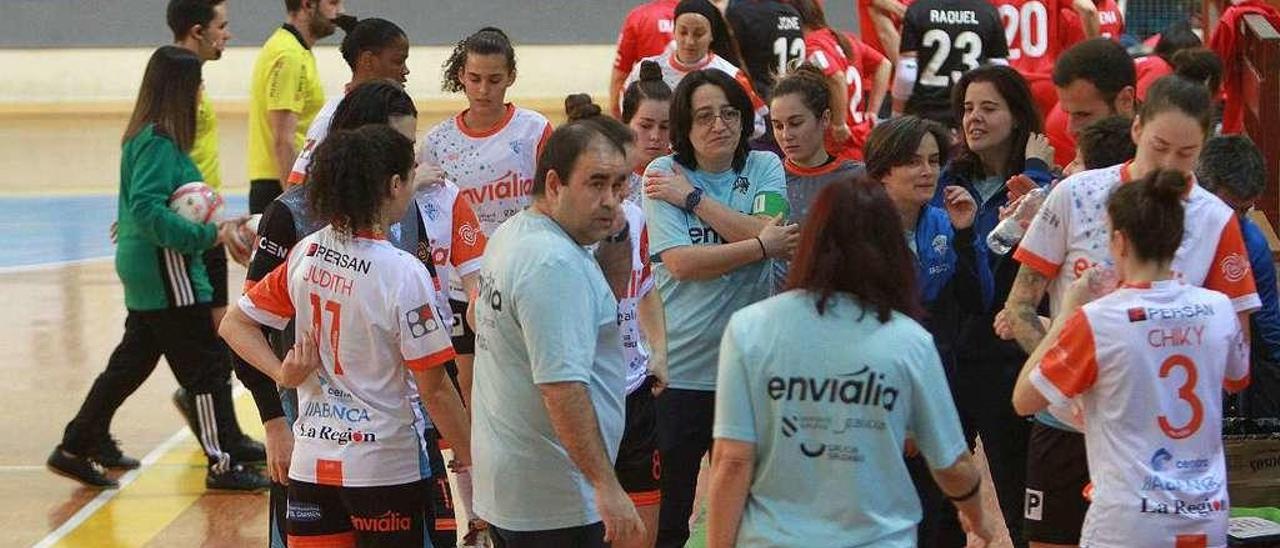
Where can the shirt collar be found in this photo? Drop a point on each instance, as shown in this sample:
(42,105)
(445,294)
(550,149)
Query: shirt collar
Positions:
(296,34)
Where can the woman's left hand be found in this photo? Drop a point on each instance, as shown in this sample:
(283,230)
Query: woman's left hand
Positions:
(960,206)
(672,187)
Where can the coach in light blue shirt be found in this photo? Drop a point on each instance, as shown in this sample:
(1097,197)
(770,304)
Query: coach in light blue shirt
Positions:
(549,388)
(711,251)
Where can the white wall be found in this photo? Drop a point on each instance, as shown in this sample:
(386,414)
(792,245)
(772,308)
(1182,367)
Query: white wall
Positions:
(61,80)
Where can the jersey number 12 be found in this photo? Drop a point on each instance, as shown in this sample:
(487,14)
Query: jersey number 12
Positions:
(787,53)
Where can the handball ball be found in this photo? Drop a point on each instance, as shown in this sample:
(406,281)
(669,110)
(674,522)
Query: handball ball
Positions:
(197,202)
(247,234)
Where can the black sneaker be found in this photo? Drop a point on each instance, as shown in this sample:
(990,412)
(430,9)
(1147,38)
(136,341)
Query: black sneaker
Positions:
(237,478)
(81,469)
(108,454)
(246,450)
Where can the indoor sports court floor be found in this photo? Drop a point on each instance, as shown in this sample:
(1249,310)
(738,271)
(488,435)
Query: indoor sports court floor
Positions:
(62,313)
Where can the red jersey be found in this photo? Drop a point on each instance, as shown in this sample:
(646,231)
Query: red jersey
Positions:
(868,30)
(646,32)
(1037,31)
(1150,69)
(1225,41)
(1110,19)
(822,49)
(1055,128)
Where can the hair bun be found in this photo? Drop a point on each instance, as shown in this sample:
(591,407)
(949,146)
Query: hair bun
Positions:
(346,22)
(650,71)
(1168,186)
(494,30)
(579,105)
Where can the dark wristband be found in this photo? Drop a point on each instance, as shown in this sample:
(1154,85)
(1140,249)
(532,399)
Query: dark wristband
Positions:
(763,254)
(976,486)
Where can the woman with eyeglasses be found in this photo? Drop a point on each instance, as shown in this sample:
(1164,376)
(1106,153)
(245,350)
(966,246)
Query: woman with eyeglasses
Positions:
(714,212)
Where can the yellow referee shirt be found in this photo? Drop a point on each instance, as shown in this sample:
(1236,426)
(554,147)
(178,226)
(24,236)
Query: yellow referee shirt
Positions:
(204,151)
(284,78)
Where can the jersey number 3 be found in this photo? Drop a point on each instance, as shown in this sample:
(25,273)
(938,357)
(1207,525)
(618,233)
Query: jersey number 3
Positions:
(1026,29)
(1187,393)
(968,43)
(334,308)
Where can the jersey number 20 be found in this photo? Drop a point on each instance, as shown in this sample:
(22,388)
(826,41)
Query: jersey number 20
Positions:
(970,46)
(1029,26)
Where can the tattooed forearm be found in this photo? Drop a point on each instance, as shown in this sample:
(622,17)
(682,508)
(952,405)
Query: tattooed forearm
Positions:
(1025,295)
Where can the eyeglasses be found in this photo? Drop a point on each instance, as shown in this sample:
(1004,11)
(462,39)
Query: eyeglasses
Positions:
(706,118)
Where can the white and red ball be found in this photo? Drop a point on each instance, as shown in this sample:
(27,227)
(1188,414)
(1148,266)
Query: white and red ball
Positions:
(197,202)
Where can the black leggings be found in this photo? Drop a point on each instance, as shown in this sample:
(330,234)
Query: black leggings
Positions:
(185,337)
(684,436)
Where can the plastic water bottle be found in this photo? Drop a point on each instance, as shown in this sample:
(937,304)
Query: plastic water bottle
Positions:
(1011,229)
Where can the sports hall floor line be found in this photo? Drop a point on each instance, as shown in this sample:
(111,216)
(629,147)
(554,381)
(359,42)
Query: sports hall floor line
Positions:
(150,498)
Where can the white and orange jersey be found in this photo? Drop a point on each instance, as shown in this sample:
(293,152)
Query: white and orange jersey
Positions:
(1070,235)
(457,243)
(673,71)
(1146,366)
(376,317)
(315,135)
(639,285)
(495,168)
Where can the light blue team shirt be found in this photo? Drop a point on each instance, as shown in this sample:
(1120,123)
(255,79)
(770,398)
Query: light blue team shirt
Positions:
(697,311)
(544,314)
(828,401)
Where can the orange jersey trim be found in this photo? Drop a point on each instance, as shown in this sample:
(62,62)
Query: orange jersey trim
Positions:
(431,360)
(1236,385)
(1191,541)
(646,498)
(462,124)
(468,240)
(1040,264)
(1230,272)
(272,293)
(334,540)
(1071,364)
(329,472)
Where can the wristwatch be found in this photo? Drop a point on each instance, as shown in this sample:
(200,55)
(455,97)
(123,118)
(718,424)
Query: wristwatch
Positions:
(692,200)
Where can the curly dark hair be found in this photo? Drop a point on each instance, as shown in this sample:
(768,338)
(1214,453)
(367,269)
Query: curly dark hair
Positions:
(486,41)
(350,172)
